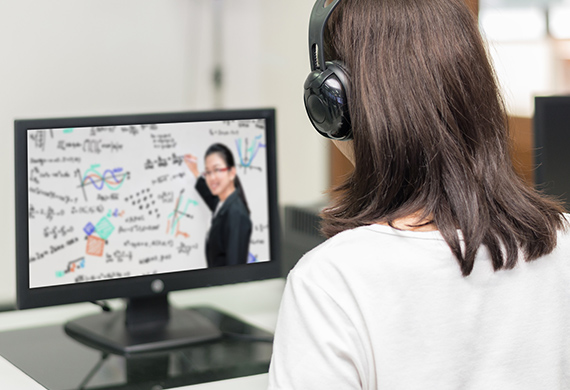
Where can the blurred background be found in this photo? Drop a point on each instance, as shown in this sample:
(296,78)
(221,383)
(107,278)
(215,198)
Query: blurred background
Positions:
(101,57)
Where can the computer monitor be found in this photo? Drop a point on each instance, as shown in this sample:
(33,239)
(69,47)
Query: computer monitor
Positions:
(117,207)
(552,146)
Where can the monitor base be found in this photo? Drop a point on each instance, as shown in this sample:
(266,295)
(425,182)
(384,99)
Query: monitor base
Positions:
(108,332)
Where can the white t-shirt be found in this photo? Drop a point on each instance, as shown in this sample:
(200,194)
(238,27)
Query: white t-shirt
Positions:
(379,308)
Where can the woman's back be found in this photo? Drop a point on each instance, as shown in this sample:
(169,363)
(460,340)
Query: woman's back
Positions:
(481,301)
(379,308)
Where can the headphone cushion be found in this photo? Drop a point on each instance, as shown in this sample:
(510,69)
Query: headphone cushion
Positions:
(326,101)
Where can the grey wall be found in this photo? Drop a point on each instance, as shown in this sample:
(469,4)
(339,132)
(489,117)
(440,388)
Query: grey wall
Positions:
(99,57)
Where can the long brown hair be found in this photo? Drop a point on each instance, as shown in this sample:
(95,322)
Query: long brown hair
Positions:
(430,132)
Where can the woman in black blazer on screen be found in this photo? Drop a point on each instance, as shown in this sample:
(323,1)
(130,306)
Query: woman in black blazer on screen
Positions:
(227,242)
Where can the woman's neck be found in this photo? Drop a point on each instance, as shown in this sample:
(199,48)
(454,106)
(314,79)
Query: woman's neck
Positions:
(223,196)
(412,222)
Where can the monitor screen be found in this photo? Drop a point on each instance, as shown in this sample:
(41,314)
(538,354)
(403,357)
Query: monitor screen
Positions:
(552,142)
(140,205)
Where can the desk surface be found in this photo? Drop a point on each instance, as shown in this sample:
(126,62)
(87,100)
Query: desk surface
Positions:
(256,303)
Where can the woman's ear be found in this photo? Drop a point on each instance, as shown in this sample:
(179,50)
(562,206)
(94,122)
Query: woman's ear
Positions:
(233,173)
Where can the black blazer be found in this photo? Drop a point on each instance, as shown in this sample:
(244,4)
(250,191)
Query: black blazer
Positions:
(228,240)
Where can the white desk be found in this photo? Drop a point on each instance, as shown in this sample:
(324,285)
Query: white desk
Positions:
(255,302)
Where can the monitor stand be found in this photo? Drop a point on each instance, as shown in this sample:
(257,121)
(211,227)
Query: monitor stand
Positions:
(148,324)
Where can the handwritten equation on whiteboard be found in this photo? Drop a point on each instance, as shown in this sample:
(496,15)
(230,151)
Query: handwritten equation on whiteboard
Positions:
(119,201)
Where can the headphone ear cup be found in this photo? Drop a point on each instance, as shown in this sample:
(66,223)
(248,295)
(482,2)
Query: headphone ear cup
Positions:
(326,101)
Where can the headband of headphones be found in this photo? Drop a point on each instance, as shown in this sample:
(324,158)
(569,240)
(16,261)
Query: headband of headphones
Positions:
(317,23)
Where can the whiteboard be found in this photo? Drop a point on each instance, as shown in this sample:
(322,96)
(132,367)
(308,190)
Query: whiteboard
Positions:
(119,201)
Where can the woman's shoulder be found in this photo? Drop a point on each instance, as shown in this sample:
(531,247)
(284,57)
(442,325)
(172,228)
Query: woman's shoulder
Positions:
(332,249)
(364,238)
(563,236)
(371,247)
(234,204)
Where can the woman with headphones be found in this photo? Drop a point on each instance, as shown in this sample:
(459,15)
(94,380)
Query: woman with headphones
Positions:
(227,241)
(443,269)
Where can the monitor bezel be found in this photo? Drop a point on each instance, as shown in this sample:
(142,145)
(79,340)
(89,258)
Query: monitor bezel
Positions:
(139,286)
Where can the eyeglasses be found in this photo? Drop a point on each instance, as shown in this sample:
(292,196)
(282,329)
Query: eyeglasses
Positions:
(215,172)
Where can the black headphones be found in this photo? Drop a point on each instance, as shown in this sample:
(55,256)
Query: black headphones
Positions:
(327,85)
